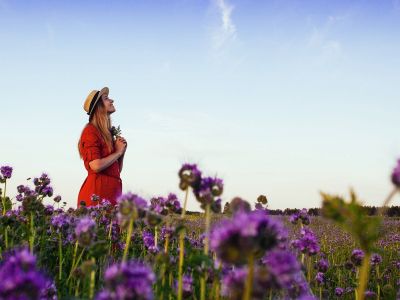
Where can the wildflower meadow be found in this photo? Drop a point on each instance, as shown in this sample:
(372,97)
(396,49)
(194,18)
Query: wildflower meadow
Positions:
(155,249)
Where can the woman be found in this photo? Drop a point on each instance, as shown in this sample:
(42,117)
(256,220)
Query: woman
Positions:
(103,154)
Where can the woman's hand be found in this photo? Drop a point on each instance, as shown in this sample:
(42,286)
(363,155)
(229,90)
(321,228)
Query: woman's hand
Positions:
(120,145)
(124,141)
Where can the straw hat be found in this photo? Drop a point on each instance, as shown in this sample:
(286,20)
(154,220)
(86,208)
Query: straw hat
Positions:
(92,98)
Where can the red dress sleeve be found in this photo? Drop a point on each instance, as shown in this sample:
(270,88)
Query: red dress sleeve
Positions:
(91,146)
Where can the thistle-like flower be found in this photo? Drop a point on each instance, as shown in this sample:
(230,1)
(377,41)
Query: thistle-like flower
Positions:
(130,206)
(128,280)
(246,234)
(85,231)
(6,172)
(20,278)
(189,175)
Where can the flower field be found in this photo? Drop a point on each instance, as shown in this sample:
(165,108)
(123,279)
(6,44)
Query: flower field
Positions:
(154,249)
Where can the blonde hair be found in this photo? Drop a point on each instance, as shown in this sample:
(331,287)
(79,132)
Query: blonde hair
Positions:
(102,121)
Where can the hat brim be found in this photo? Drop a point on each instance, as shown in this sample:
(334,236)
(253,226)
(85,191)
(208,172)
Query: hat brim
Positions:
(103,91)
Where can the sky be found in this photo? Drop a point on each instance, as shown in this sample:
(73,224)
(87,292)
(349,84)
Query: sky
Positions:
(281,98)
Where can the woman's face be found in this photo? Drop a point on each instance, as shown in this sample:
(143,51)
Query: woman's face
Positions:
(108,104)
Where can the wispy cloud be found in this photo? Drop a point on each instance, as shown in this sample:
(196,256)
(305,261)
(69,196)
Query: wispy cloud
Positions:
(321,38)
(226,31)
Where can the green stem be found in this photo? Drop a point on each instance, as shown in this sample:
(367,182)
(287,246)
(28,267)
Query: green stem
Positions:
(76,264)
(60,257)
(92,279)
(309,269)
(32,233)
(249,279)
(156,236)
(206,248)
(129,236)
(364,274)
(182,248)
(181,253)
(6,237)
(4,197)
(184,203)
(77,288)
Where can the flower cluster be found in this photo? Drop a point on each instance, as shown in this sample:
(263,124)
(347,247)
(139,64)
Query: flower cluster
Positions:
(167,205)
(302,215)
(262,202)
(190,176)
(20,278)
(24,192)
(237,204)
(187,286)
(357,257)
(115,131)
(284,268)
(307,243)
(42,185)
(85,231)
(208,188)
(130,206)
(148,241)
(6,172)
(251,233)
(396,175)
(128,280)
(376,259)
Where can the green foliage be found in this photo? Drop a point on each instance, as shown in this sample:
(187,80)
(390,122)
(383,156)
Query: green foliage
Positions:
(353,217)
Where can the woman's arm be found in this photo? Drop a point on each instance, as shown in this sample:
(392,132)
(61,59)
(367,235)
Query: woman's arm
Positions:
(98,165)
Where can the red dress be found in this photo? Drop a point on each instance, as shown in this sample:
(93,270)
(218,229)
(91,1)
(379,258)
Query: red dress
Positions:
(106,184)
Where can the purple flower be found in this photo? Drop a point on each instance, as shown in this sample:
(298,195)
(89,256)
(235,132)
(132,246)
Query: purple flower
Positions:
(85,231)
(259,206)
(238,204)
(369,295)
(60,221)
(128,280)
(167,205)
(339,291)
(6,171)
(357,256)
(233,283)
(322,265)
(187,286)
(320,278)
(57,199)
(307,243)
(42,185)
(376,259)
(130,206)
(148,240)
(301,215)
(189,175)
(396,174)
(20,278)
(208,189)
(284,267)
(247,233)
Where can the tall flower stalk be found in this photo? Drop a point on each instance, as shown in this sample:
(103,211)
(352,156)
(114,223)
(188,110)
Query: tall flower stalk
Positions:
(249,279)
(182,247)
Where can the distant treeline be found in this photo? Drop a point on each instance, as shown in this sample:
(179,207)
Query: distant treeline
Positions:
(393,211)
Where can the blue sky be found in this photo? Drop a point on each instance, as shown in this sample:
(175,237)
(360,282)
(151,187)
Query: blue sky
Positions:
(282,98)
